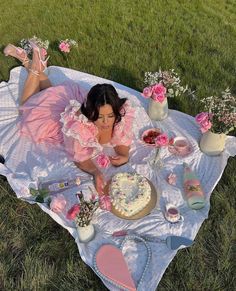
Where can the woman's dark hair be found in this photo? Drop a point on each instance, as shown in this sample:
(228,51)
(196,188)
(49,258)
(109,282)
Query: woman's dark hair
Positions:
(100,95)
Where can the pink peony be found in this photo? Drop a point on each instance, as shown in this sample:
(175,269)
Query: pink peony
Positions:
(58,203)
(64,47)
(147,92)
(162,140)
(103,161)
(71,214)
(171,179)
(158,92)
(105,202)
(200,117)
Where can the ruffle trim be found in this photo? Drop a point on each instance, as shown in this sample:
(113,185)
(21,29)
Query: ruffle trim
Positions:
(79,127)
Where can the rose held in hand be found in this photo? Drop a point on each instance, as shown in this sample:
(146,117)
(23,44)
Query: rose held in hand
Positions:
(103,161)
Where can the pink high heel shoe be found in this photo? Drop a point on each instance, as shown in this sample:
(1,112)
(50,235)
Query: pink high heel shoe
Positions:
(16,52)
(42,60)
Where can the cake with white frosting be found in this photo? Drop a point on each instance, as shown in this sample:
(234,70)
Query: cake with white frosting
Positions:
(130,193)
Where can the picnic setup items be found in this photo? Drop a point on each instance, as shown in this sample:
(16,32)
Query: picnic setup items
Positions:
(59,185)
(162,84)
(82,214)
(131,192)
(180,146)
(172,213)
(109,263)
(172,242)
(192,188)
(217,120)
(212,144)
(24,170)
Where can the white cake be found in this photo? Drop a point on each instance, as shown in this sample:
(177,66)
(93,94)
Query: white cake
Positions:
(130,193)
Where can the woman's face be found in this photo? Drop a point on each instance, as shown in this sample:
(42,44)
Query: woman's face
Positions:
(106,118)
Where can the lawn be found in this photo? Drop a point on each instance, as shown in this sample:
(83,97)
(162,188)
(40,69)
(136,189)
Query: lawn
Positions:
(120,40)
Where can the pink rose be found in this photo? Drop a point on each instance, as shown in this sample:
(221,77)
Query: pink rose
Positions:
(158,92)
(103,161)
(171,179)
(105,202)
(162,140)
(71,214)
(205,125)
(58,203)
(147,92)
(201,117)
(64,47)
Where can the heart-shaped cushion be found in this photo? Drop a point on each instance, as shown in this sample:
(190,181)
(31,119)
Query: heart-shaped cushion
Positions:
(110,265)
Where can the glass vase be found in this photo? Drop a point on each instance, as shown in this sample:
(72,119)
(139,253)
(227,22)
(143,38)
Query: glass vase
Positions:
(158,110)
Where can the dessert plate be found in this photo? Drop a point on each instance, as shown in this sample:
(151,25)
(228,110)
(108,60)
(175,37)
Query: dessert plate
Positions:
(154,201)
(148,136)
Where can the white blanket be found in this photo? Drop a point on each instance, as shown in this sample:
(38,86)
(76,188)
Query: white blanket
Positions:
(27,163)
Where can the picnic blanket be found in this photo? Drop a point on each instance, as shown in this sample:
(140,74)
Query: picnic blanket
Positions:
(27,163)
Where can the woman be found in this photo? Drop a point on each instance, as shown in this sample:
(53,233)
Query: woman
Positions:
(56,115)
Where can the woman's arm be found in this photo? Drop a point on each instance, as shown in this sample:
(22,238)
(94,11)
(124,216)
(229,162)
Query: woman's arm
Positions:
(89,167)
(122,155)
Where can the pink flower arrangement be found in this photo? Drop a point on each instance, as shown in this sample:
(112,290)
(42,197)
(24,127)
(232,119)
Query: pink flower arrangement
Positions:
(219,114)
(82,213)
(103,160)
(58,203)
(66,45)
(156,92)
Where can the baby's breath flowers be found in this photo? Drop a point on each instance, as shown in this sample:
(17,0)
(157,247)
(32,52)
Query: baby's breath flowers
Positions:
(43,44)
(219,114)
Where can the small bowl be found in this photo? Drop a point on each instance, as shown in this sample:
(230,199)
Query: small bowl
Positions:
(150,134)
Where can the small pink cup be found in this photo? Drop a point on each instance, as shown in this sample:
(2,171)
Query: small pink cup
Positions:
(181,145)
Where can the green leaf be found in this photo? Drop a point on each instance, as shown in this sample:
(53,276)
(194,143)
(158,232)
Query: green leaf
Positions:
(43,192)
(33,192)
(39,199)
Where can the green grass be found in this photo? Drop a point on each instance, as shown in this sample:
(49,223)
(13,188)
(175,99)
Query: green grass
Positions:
(120,40)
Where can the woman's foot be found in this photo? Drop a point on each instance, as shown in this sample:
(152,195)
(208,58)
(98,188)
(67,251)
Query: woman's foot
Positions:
(38,57)
(16,52)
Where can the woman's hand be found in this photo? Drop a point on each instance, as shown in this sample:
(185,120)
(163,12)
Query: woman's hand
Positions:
(118,160)
(99,183)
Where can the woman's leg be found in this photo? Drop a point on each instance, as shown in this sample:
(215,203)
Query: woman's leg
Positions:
(32,83)
(44,82)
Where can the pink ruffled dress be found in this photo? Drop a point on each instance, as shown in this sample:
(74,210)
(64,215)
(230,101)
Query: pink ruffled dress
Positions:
(50,116)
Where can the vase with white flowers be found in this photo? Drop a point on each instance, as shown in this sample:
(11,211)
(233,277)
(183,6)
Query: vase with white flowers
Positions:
(216,121)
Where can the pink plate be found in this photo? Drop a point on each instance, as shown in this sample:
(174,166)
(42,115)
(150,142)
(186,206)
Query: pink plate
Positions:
(146,133)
